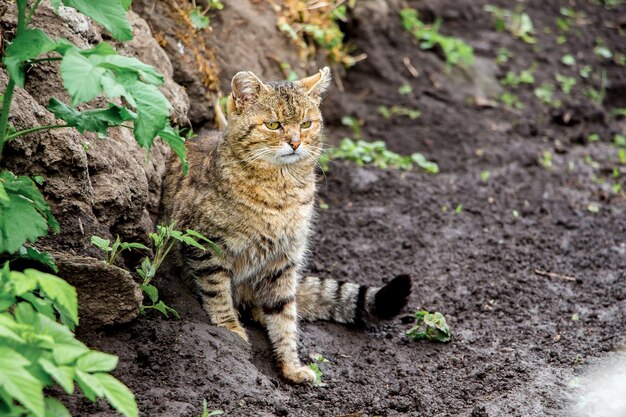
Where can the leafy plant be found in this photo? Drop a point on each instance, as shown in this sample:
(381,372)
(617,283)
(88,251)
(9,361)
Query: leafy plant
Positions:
(356,125)
(88,74)
(511,100)
(376,153)
(568,59)
(313,28)
(164,240)
(430,326)
(545,93)
(525,77)
(389,112)
(455,50)
(546,160)
(37,352)
(518,23)
(566,83)
(317,359)
(207,413)
(199,18)
(114,250)
(405,89)
(585,71)
(503,56)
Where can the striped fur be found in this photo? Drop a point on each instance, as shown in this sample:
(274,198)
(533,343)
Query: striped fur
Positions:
(251,190)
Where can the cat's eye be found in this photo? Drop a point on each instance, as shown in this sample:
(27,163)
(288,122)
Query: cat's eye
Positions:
(305,125)
(272,125)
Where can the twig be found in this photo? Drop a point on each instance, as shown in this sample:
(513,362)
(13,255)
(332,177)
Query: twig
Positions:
(409,66)
(554,275)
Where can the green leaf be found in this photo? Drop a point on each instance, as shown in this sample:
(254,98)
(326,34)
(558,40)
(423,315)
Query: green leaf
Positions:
(118,395)
(27,45)
(7,333)
(58,290)
(54,408)
(109,13)
(90,385)
(120,63)
(200,236)
(198,20)
(177,143)
(430,326)
(103,244)
(98,120)
(165,309)
(19,383)
(27,252)
(133,245)
(64,375)
(25,216)
(81,77)
(97,362)
(67,353)
(152,292)
(152,108)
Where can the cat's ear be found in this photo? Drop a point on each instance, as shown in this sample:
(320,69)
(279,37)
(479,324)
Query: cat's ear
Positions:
(317,84)
(245,89)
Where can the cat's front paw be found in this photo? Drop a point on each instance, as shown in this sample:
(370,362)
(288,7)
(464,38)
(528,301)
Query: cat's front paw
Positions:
(240,331)
(299,374)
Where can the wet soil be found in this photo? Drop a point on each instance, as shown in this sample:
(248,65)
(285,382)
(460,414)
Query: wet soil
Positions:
(473,246)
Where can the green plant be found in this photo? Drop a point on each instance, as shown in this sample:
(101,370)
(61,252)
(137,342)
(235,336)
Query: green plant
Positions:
(485,175)
(207,413)
(88,74)
(597,96)
(525,77)
(356,125)
(114,250)
(317,359)
(546,160)
(389,112)
(545,93)
(518,23)
(511,100)
(503,56)
(376,153)
(568,59)
(199,18)
(405,89)
(430,326)
(566,83)
(37,352)
(619,112)
(593,137)
(164,240)
(455,50)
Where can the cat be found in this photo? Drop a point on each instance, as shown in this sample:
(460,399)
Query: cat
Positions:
(251,189)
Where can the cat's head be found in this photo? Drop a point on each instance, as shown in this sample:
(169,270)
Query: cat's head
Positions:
(279,123)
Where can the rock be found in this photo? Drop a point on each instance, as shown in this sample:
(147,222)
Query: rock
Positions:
(106,294)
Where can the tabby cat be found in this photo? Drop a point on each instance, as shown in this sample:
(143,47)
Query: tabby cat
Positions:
(251,189)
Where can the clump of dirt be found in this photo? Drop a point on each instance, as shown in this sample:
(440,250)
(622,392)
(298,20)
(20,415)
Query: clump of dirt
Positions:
(473,242)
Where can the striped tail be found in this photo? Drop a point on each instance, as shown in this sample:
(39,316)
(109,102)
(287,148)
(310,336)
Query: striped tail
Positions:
(345,302)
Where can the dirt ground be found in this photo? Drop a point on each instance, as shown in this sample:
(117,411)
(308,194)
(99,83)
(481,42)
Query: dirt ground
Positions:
(521,340)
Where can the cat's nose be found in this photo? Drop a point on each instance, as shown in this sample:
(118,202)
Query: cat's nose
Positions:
(295,142)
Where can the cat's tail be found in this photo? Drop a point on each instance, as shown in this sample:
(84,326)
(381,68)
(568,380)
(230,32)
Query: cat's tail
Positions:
(346,302)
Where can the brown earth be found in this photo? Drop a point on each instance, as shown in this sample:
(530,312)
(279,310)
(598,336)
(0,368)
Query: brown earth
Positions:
(520,339)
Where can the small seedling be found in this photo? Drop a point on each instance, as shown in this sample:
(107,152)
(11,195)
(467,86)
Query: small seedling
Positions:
(567,83)
(524,77)
(593,137)
(545,93)
(317,359)
(458,209)
(389,112)
(429,326)
(518,23)
(354,124)
(619,140)
(511,100)
(207,413)
(376,153)
(515,214)
(405,89)
(585,71)
(546,160)
(485,175)
(455,50)
(619,112)
(503,56)
(593,207)
(575,317)
(199,18)
(116,248)
(597,96)
(568,60)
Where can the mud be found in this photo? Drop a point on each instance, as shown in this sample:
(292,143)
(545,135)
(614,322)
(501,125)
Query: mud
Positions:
(520,339)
